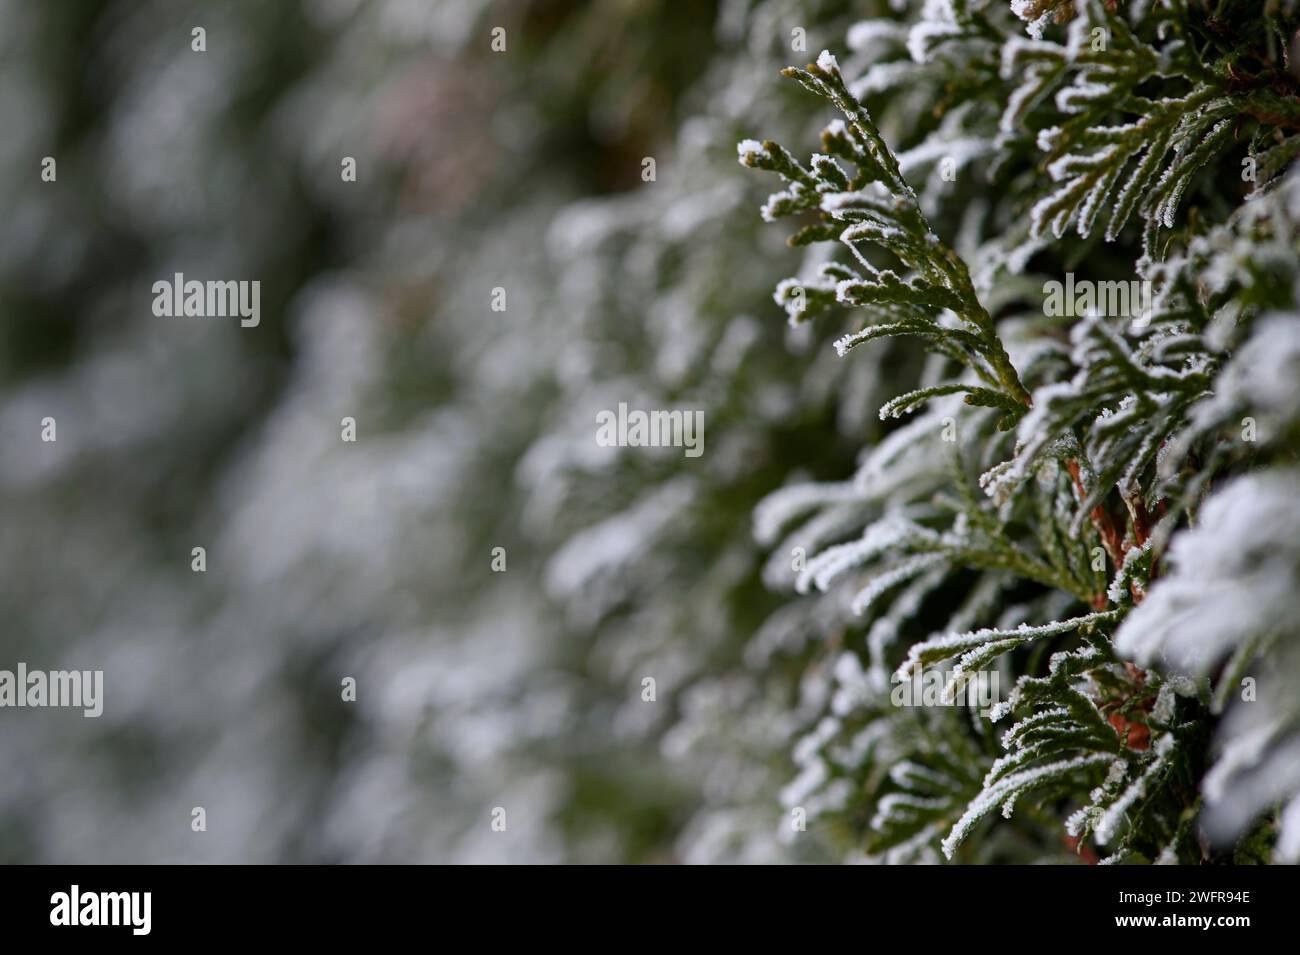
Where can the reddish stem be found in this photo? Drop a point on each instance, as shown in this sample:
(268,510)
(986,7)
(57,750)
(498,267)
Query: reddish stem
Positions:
(1110,536)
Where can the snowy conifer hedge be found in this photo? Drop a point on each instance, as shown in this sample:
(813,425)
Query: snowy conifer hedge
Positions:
(993,550)
(1084,214)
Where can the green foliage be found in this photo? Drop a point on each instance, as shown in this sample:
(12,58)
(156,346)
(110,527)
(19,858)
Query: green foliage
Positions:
(1096,435)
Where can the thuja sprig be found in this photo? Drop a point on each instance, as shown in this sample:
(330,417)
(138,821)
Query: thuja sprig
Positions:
(877,206)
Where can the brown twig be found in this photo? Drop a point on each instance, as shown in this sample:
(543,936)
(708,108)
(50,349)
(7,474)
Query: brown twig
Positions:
(1111,538)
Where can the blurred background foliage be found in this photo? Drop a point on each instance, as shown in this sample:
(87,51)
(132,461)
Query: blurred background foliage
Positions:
(477,170)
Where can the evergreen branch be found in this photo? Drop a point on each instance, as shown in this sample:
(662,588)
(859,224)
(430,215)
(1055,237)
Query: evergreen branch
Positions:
(893,220)
(945,648)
